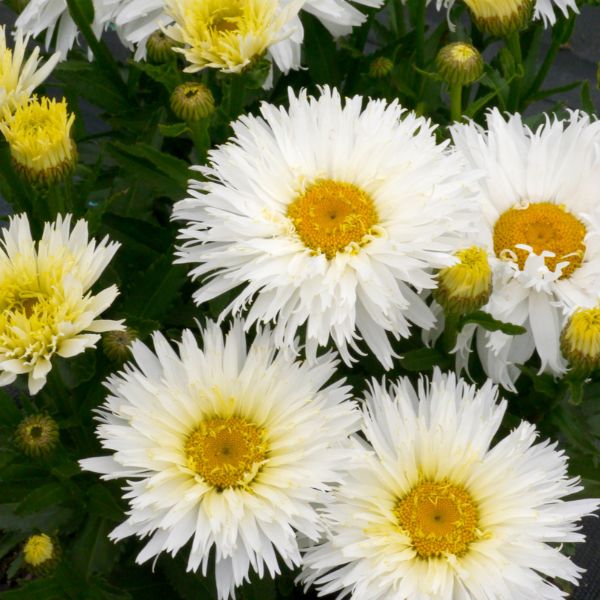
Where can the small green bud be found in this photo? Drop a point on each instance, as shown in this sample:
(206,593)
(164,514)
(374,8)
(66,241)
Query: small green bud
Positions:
(159,48)
(380,67)
(37,435)
(459,63)
(192,101)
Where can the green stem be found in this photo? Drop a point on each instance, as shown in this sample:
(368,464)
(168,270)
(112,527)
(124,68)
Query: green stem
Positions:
(420,31)
(201,138)
(513,43)
(450,331)
(397,17)
(235,96)
(99,49)
(544,69)
(456,101)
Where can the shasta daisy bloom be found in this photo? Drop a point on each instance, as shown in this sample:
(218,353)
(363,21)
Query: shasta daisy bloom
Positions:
(53,16)
(229,34)
(540,227)
(46,306)
(500,17)
(39,136)
(328,215)
(429,510)
(225,446)
(20,76)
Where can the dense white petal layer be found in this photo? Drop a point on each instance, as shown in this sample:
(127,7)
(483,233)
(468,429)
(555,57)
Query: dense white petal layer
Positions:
(443,432)
(238,231)
(154,406)
(558,163)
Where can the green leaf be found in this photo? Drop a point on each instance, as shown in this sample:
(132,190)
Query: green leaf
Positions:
(93,552)
(9,413)
(47,519)
(47,495)
(587,102)
(156,169)
(174,130)
(423,359)
(189,586)
(319,51)
(156,289)
(85,80)
(488,323)
(38,589)
(166,74)
(156,238)
(77,370)
(102,503)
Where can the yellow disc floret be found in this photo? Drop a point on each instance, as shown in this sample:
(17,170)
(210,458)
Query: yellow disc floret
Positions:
(439,517)
(38,549)
(226,452)
(39,135)
(580,340)
(226,34)
(466,286)
(541,226)
(333,216)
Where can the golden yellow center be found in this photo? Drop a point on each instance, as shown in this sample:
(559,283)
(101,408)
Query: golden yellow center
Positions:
(439,517)
(333,216)
(226,452)
(542,226)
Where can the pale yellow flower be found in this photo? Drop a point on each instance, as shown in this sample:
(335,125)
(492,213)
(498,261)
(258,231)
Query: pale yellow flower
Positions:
(38,550)
(228,34)
(46,307)
(19,77)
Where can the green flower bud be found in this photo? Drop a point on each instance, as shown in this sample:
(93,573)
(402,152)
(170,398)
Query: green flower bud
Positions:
(459,63)
(501,17)
(37,435)
(159,48)
(580,340)
(117,344)
(380,67)
(192,101)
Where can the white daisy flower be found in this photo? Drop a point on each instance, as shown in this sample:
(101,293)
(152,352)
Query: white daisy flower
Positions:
(540,226)
(327,215)
(46,306)
(430,511)
(496,16)
(20,77)
(228,447)
(50,15)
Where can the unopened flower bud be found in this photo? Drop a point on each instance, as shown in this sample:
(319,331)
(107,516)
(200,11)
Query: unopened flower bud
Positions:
(380,67)
(501,17)
(192,101)
(37,435)
(466,286)
(160,48)
(580,340)
(459,63)
(117,344)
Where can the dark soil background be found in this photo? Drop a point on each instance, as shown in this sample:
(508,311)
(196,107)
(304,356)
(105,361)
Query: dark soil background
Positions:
(577,61)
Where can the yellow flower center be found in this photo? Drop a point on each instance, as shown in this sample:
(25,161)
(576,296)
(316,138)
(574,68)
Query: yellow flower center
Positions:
(440,518)
(227,17)
(333,216)
(542,226)
(226,452)
(38,549)
(463,52)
